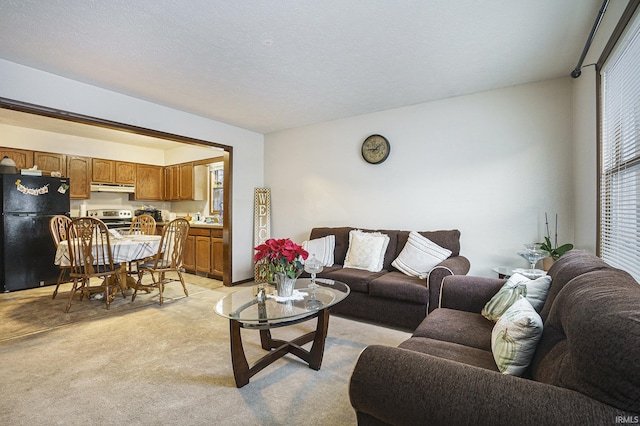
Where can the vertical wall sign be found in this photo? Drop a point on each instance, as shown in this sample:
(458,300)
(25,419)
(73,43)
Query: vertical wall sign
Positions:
(262,225)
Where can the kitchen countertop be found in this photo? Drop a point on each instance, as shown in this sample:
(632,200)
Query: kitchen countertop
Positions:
(197,225)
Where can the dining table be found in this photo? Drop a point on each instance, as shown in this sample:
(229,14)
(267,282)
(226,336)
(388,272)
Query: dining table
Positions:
(124,249)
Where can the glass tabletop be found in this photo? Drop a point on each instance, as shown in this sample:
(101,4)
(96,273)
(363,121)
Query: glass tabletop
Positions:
(243,305)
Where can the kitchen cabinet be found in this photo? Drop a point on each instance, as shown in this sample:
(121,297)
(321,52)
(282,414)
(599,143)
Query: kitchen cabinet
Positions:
(217,258)
(79,173)
(103,171)
(49,162)
(125,172)
(149,183)
(189,254)
(203,252)
(172,183)
(112,171)
(22,157)
(186,182)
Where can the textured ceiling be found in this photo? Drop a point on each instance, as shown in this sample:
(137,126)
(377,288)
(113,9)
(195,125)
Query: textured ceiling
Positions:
(270,65)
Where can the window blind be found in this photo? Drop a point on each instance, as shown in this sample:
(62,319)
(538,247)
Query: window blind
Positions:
(620,154)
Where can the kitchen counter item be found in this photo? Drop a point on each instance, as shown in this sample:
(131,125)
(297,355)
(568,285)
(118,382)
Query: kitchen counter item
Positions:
(156,214)
(8,166)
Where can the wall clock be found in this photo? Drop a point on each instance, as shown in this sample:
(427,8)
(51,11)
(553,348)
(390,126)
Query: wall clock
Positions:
(375,149)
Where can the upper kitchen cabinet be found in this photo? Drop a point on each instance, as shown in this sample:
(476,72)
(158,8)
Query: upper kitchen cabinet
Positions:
(79,173)
(110,171)
(22,157)
(149,183)
(185,182)
(125,172)
(49,162)
(103,171)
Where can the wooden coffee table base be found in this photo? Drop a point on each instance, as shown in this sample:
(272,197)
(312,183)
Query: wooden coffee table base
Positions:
(277,348)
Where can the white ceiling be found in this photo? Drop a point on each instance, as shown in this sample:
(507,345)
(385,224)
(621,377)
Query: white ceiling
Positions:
(270,65)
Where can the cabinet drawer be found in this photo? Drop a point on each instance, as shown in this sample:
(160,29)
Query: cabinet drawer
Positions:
(200,232)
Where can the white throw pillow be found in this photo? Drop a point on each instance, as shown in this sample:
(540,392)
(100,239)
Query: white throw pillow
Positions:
(366,250)
(419,256)
(515,336)
(534,290)
(323,248)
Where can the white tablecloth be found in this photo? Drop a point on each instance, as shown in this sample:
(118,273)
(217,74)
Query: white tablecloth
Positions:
(124,250)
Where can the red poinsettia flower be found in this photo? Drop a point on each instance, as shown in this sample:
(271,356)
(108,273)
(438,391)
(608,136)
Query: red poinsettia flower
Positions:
(281,256)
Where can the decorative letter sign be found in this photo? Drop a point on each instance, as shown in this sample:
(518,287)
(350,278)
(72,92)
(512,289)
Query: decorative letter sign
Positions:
(262,225)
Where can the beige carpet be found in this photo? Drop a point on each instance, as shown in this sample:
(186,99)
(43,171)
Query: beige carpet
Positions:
(143,364)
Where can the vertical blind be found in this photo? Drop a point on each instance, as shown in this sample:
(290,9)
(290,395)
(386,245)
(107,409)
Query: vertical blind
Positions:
(620,154)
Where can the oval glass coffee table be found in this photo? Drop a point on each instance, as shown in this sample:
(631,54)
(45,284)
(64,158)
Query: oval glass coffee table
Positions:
(252,309)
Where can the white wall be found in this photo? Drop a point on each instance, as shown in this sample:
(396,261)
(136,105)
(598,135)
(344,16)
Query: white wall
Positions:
(489,164)
(33,86)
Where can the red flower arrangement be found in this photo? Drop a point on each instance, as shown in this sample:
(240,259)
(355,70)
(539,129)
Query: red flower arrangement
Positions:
(281,256)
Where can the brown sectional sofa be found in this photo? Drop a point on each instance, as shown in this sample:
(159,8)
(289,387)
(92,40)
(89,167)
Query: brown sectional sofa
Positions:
(585,369)
(389,296)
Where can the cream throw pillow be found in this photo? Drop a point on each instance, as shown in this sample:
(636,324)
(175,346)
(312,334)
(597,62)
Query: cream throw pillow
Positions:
(366,250)
(323,248)
(419,256)
(515,336)
(517,285)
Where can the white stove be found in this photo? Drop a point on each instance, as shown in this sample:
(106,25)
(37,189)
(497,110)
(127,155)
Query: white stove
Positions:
(113,218)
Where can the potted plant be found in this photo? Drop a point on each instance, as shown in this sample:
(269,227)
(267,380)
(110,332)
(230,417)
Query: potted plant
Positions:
(553,249)
(280,261)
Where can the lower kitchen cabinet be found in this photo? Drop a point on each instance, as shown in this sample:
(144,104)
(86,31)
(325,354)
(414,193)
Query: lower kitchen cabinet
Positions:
(203,251)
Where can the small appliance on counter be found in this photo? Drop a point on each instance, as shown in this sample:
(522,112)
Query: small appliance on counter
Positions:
(114,219)
(156,214)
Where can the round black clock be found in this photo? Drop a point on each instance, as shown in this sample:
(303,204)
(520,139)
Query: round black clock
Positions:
(375,149)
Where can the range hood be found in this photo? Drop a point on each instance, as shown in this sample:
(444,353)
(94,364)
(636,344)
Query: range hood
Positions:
(112,187)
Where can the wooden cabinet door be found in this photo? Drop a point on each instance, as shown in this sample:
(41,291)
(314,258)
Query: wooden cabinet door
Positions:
(189,254)
(171,183)
(217,259)
(103,170)
(125,172)
(22,157)
(186,181)
(79,173)
(149,182)
(49,162)
(203,254)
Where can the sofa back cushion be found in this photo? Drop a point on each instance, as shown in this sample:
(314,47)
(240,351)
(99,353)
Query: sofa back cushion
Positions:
(570,265)
(449,239)
(591,339)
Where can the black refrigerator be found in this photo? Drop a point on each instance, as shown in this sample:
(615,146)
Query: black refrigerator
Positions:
(27,251)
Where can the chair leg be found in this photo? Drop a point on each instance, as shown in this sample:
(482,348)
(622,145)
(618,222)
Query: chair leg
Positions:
(55,292)
(71,294)
(184,287)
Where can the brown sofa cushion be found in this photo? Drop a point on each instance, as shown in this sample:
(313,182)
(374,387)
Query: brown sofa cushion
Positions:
(451,325)
(396,285)
(591,339)
(357,279)
(567,267)
(452,351)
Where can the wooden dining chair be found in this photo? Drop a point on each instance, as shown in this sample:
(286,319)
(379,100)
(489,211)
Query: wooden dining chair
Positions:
(143,224)
(58,228)
(91,257)
(167,259)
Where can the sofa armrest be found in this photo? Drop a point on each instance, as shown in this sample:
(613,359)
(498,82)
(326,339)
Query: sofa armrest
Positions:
(468,293)
(456,265)
(399,386)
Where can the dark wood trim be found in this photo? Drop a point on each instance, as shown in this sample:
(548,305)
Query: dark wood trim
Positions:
(626,17)
(15,105)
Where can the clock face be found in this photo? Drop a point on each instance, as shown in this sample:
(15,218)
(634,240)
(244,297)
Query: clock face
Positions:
(375,149)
